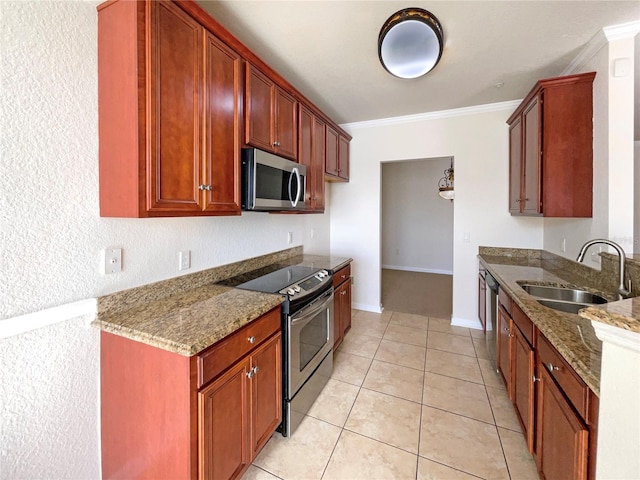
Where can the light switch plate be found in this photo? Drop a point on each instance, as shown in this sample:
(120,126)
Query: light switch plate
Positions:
(184,260)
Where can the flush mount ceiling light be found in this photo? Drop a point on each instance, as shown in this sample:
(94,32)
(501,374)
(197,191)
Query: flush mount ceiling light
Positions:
(445,185)
(410,43)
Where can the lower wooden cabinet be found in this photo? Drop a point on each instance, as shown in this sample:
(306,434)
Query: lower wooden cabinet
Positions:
(165,415)
(562,438)
(557,411)
(341,304)
(239,411)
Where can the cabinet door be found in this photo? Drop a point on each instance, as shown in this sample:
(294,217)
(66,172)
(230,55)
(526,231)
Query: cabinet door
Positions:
(306,153)
(515,166)
(221,166)
(338,334)
(523,373)
(258,120)
(331,158)
(224,424)
(505,326)
(532,151)
(343,158)
(286,123)
(345,307)
(561,437)
(319,145)
(266,391)
(175,93)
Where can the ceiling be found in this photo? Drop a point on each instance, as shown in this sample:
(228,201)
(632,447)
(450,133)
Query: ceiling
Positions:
(328,49)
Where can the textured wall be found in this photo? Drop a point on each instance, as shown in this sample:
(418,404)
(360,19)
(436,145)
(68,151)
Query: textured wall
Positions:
(51,236)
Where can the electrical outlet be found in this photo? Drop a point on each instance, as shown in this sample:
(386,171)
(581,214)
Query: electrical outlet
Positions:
(184,260)
(111,260)
(312,233)
(290,238)
(563,247)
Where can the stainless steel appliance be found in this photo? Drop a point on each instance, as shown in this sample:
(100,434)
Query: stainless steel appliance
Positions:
(491,306)
(271,183)
(307,332)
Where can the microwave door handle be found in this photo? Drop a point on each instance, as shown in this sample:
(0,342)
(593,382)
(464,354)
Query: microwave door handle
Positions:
(295,171)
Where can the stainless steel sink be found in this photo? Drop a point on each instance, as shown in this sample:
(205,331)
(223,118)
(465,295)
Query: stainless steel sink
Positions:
(565,299)
(565,294)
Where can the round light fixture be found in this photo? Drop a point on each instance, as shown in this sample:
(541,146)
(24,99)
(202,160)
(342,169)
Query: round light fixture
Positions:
(410,43)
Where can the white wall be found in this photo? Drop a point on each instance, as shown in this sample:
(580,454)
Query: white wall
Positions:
(478,140)
(636,199)
(613,178)
(51,237)
(417,224)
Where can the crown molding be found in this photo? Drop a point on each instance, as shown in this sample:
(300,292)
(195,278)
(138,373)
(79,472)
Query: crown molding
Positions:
(599,40)
(455,112)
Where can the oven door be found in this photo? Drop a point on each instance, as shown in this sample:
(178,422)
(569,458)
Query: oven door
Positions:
(310,340)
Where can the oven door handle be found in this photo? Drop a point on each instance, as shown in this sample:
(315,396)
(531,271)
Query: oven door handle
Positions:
(312,309)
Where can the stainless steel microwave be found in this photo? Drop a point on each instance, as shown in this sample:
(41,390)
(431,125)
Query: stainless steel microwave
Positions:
(271,183)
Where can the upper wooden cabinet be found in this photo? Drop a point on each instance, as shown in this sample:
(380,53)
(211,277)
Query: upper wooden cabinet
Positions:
(337,156)
(551,149)
(169,95)
(270,115)
(311,153)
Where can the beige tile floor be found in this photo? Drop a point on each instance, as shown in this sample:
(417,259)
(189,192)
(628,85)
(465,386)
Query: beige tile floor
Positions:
(411,397)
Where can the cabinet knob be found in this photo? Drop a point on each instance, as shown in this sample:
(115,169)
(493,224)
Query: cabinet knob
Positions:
(518,200)
(276,144)
(205,187)
(344,292)
(251,339)
(255,369)
(534,379)
(249,374)
(551,367)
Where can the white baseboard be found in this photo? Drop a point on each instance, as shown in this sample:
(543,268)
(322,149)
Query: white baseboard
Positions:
(44,318)
(418,269)
(466,322)
(366,308)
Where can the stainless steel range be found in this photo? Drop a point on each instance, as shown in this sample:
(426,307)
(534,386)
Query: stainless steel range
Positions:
(307,332)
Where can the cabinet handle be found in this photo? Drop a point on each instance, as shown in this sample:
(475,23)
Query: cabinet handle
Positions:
(250,374)
(255,369)
(344,276)
(251,339)
(511,335)
(518,200)
(551,367)
(205,187)
(276,144)
(344,292)
(534,379)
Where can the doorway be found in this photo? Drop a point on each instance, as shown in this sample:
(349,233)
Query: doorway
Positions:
(416,238)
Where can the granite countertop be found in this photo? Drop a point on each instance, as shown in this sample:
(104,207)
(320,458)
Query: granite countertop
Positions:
(623,314)
(572,335)
(187,314)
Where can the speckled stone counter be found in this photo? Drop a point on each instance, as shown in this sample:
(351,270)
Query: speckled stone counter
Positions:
(188,314)
(573,336)
(623,314)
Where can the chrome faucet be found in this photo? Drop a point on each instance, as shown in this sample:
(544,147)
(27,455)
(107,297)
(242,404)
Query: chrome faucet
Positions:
(622,290)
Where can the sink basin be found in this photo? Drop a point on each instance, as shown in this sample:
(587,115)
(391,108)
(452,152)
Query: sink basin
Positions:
(570,307)
(565,299)
(565,294)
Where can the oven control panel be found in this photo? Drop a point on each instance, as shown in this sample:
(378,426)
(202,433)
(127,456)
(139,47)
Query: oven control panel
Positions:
(307,285)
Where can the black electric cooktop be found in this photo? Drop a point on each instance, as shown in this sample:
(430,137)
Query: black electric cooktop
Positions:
(270,279)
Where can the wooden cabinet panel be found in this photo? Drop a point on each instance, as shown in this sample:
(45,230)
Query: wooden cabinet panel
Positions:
(223,101)
(523,395)
(341,304)
(224,418)
(551,139)
(561,436)
(343,158)
(175,129)
(270,115)
(515,166)
(168,114)
(266,392)
(217,358)
(311,147)
(505,347)
(331,159)
(530,199)
(482,300)
(259,126)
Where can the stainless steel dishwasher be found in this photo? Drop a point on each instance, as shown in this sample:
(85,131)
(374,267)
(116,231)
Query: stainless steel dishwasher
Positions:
(491,306)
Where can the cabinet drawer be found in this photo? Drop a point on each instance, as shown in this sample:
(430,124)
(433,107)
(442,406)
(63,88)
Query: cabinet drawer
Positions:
(572,386)
(341,275)
(227,351)
(505,300)
(523,322)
